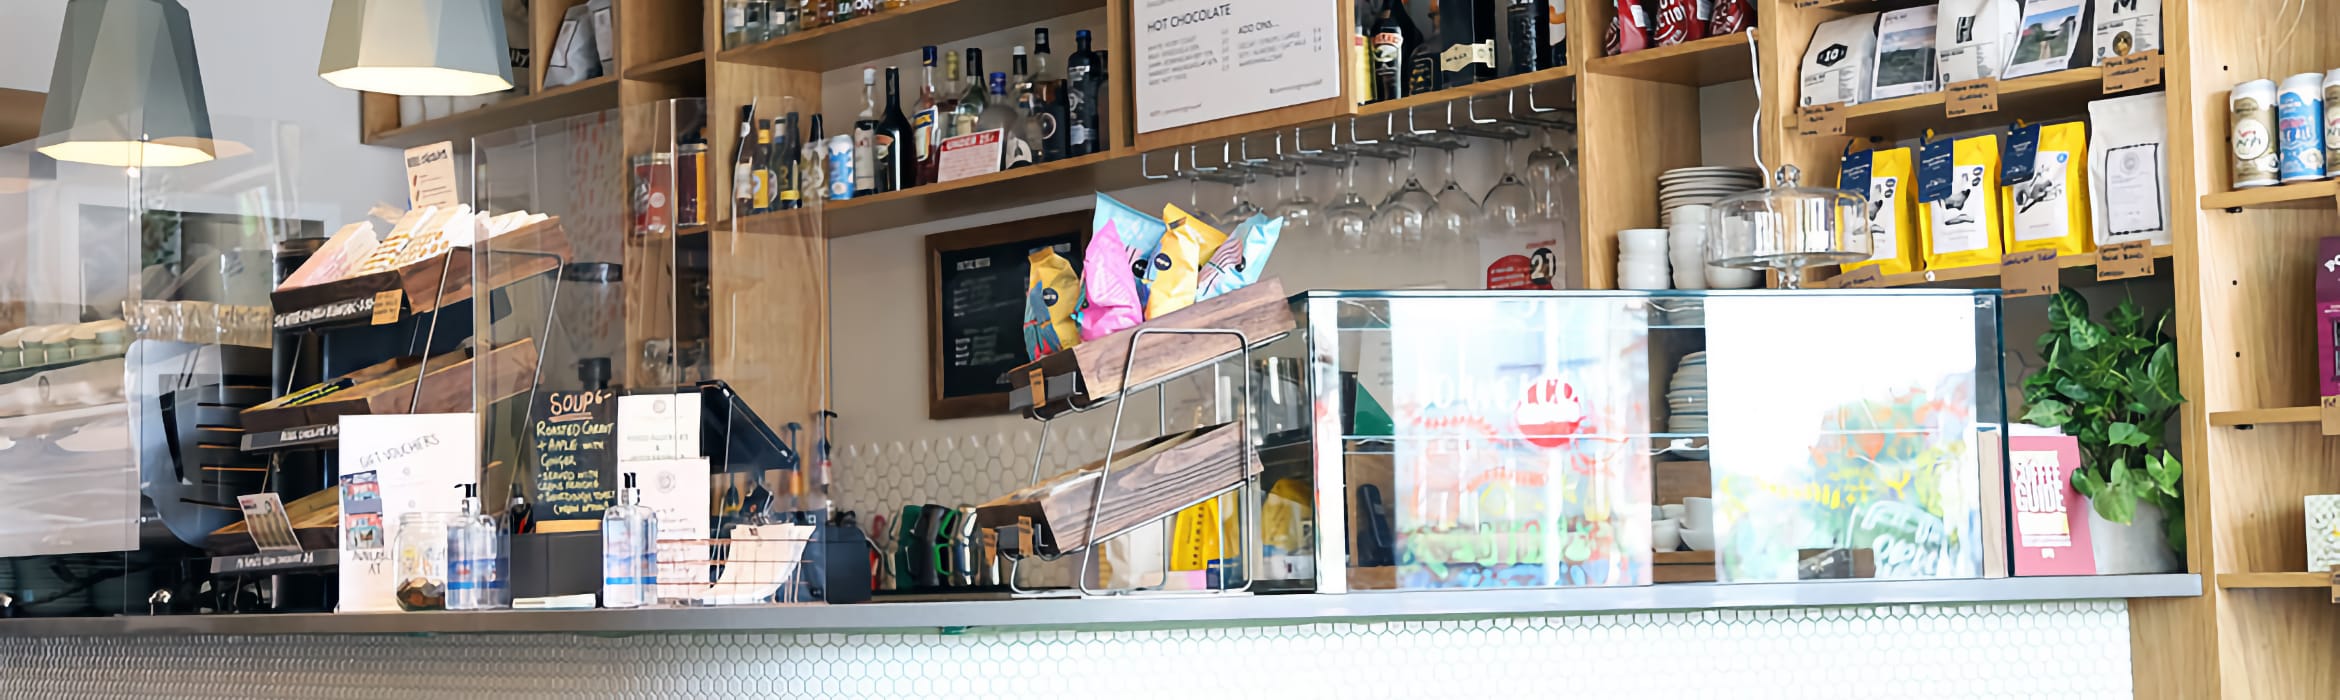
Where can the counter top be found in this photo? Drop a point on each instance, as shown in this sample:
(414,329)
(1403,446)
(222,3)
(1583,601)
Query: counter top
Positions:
(1156,611)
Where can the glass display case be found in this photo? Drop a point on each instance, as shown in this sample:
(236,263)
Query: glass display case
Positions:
(1474,440)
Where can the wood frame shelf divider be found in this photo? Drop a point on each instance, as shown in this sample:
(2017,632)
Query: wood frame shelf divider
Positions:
(901,31)
(1991,272)
(2266,416)
(1470,92)
(690,67)
(2321,194)
(1710,61)
(2043,97)
(2280,579)
(589,95)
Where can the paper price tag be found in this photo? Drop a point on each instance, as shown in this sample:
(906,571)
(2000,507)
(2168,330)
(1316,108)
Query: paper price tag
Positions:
(2030,273)
(430,175)
(1820,120)
(386,306)
(2135,71)
(1039,387)
(2336,584)
(2330,415)
(1809,4)
(1868,277)
(2122,261)
(1972,97)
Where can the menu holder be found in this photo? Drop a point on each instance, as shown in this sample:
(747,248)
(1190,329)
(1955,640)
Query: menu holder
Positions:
(391,388)
(520,254)
(1150,481)
(1091,371)
(975,288)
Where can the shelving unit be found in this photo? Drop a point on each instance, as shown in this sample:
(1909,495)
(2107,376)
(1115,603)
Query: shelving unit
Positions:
(901,31)
(1958,276)
(591,94)
(2266,416)
(2062,93)
(2306,195)
(2288,579)
(1710,61)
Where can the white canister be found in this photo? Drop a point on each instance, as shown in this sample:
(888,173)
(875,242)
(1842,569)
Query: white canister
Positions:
(2299,127)
(2251,134)
(410,109)
(2331,118)
(437,106)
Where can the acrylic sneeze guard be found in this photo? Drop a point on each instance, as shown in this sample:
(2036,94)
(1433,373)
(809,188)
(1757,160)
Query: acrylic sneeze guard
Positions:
(1476,440)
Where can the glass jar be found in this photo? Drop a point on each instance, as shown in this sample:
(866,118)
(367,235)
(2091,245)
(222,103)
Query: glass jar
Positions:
(1787,228)
(421,543)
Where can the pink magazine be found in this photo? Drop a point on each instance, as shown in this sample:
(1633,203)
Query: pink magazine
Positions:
(2050,518)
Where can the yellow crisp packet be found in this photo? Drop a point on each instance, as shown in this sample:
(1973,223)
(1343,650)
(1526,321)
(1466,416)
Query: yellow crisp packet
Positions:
(1178,268)
(1052,297)
(2050,210)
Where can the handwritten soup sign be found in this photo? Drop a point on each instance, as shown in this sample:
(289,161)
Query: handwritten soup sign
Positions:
(576,461)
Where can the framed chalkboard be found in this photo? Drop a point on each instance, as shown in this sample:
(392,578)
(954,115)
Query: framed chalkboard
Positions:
(975,308)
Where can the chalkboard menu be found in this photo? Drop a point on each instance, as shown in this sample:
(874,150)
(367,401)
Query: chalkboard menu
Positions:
(975,307)
(576,460)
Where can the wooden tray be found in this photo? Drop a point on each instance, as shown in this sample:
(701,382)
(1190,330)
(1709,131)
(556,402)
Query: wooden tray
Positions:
(522,253)
(1092,370)
(389,388)
(1150,481)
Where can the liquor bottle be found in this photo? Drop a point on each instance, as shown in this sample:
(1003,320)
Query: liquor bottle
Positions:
(972,99)
(1082,83)
(1000,113)
(743,164)
(844,13)
(766,195)
(1099,78)
(897,170)
(1389,52)
(864,8)
(865,175)
(1422,72)
(811,14)
(1524,45)
(1467,38)
(925,136)
(782,21)
(735,22)
(629,551)
(1025,100)
(786,160)
(1047,99)
(946,101)
(811,176)
(892,5)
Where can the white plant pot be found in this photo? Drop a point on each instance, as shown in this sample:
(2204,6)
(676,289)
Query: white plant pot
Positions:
(2135,548)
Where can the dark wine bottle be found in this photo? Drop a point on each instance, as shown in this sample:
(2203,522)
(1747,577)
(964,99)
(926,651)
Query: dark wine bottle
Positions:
(1467,38)
(1389,52)
(1084,84)
(897,170)
(1422,72)
(1524,44)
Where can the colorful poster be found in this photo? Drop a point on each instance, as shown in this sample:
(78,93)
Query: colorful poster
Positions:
(1521,440)
(1862,437)
(393,465)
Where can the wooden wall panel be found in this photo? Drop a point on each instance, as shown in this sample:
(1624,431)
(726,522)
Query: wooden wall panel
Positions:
(1629,132)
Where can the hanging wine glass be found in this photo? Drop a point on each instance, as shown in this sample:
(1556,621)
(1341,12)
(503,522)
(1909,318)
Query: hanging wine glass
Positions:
(1298,210)
(1509,205)
(1350,216)
(1543,176)
(1397,224)
(1455,212)
(1242,208)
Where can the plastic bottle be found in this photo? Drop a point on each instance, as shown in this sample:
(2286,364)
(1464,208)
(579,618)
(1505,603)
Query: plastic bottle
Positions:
(477,558)
(629,551)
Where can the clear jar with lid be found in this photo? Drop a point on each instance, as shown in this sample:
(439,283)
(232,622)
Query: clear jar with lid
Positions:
(1787,228)
(421,543)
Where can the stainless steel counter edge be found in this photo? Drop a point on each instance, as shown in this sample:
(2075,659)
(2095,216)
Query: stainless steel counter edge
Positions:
(1174,611)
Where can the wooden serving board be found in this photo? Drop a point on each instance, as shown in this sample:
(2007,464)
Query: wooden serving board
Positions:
(519,254)
(1093,370)
(389,388)
(1150,481)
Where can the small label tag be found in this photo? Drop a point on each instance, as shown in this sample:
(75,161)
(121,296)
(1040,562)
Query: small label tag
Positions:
(1972,97)
(1853,174)
(2336,584)
(2122,261)
(2015,165)
(1820,120)
(2030,273)
(1867,277)
(2135,71)
(1936,161)
(2330,415)
(386,306)
(1039,387)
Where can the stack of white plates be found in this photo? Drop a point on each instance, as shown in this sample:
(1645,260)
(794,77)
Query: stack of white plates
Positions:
(1703,185)
(1686,396)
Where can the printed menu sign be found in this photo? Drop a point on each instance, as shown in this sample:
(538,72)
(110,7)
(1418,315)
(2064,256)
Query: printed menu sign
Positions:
(981,312)
(571,433)
(430,176)
(392,465)
(1201,60)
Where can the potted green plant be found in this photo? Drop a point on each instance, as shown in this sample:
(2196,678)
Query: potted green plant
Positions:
(2114,386)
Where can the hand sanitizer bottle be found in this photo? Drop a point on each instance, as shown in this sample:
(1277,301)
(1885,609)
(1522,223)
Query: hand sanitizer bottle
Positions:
(629,551)
(476,558)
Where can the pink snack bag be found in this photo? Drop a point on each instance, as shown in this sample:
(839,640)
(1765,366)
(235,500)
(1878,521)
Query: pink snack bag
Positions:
(1111,289)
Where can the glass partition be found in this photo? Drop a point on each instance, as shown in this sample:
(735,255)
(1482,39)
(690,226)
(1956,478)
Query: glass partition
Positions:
(1473,440)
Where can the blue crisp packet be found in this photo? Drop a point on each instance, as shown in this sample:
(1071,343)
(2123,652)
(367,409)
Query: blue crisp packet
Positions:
(1040,339)
(1140,232)
(1238,261)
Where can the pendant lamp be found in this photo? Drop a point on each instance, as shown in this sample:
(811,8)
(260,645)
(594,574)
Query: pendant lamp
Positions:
(416,47)
(126,90)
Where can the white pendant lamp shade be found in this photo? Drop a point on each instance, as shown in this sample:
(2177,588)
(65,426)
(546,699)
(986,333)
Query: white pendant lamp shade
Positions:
(126,90)
(417,47)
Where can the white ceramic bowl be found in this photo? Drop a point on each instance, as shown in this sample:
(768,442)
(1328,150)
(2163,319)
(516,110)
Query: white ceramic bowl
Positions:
(1731,278)
(1699,540)
(1698,513)
(1665,536)
(1672,511)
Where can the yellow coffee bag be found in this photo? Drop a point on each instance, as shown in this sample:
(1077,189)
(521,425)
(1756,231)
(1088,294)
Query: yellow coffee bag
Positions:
(1963,228)
(1889,178)
(2050,211)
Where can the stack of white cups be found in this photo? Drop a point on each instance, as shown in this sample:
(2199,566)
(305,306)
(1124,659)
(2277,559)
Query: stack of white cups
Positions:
(1641,259)
(1687,240)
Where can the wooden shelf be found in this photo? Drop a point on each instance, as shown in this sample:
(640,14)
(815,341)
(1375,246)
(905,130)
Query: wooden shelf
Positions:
(687,68)
(2305,195)
(2285,579)
(1991,272)
(1492,87)
(2262,416)
(2064,93)
(903,31)
(590,95)
(1710,61)
(1054,180)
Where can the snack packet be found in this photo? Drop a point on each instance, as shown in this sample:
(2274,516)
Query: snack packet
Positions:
(1239,260)
(1178,268)
(1110,287)
(1050,299)
(1141,235)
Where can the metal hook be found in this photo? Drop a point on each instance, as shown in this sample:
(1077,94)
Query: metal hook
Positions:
(1145,168)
